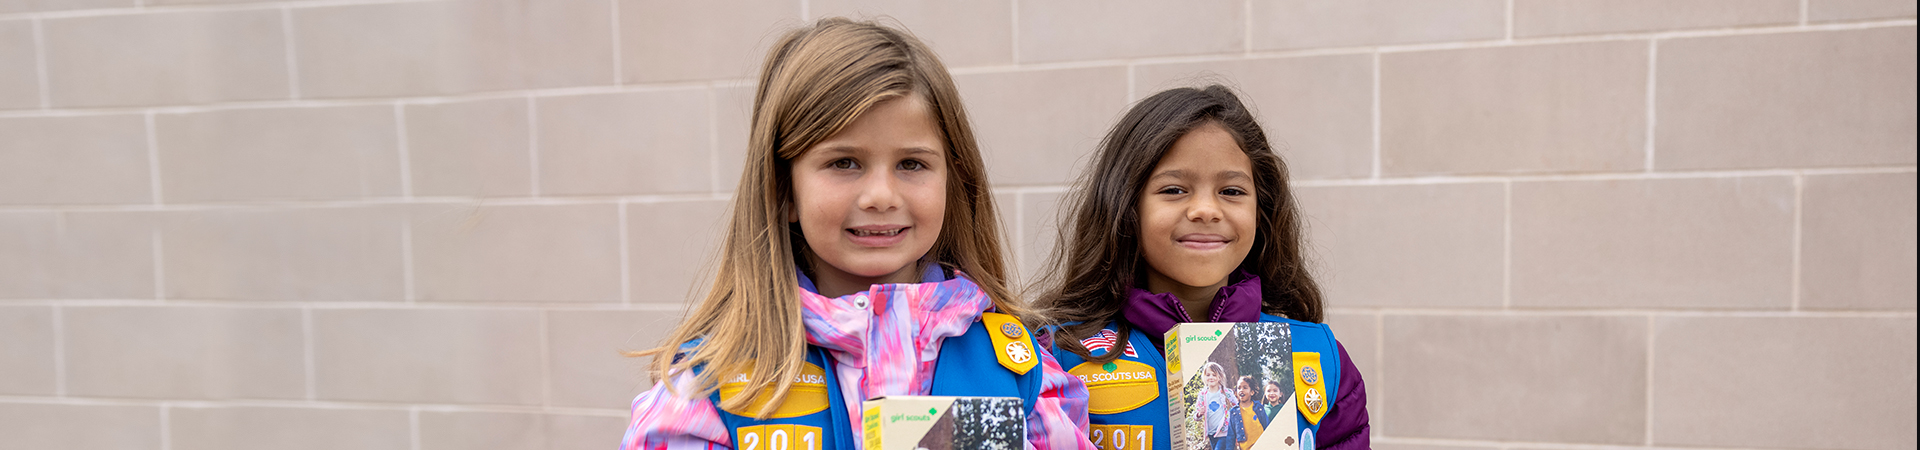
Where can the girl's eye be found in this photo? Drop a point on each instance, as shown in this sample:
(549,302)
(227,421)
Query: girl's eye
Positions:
(1171,190)
(1232,191)
(844,164)
(912,164)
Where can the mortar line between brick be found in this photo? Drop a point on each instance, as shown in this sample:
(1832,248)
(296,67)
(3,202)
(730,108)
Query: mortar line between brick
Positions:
(1444,442)
(533,146)
(1635,312)
(1376,115)
(619,72)
(413,427)
(1509,21)
(806,11)
(1014,30)
(314,405)
(143,8)
(1131,79)
(1799,223)
(1648,420)
(1653,60)
(1803,12)
(293,65)
(40,63)
(626,265)
(59,351)
(1246,12)
(406,153)
(153,158)
(546,365)
(306,329)
(166,426)
(1506,245)
(406,260)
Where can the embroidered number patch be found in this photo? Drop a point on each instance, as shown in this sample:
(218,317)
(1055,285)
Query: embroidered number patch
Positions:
(1121,437)
(778,437)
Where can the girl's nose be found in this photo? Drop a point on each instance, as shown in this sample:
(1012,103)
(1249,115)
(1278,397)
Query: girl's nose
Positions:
(878,193)
(1204,209)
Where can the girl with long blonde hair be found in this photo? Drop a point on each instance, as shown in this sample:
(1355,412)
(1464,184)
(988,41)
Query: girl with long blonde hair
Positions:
(862,259)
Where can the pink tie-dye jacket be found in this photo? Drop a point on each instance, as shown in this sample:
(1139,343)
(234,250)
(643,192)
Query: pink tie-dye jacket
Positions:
(884,341)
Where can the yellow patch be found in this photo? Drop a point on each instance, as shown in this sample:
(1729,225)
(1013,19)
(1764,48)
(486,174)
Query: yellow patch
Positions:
(1016,354)
(795,437)
(1117,386)
(807,396)
(1309,386)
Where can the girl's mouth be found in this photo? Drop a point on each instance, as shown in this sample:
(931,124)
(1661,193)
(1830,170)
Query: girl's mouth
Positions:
(1203,241)
(876,232)
(877,235)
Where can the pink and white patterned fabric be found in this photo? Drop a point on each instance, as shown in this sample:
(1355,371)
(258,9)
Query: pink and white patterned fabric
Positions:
(884,341)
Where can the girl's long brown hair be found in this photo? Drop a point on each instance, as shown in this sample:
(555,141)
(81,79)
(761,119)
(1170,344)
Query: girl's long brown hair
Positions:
(1098,259)
(817,80)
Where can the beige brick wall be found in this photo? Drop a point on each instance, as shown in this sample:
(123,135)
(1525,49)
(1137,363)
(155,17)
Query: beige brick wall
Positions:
(424,225)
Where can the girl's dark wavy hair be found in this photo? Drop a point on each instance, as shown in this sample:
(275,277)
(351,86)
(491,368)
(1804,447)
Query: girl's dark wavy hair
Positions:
(1097,258)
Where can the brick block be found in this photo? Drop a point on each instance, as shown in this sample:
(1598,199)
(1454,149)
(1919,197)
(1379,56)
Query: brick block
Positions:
(476,149)
(1360,335)
(17,6)
(1833,10)
(631,143)
(1735,382)
(26,350)
(428,356)
(673,248)
(237,428)
(96,255)
(733,122)
(1719,100)
(29,425)
(1317,111)
(1559,17)
(962,33)
(308,254)
(74,160)
(1040,127)
(1568,379)
(566,253)
(19,66)
(671,40)
(1300,24)
(1037,233)
(1857,246)
(1674,243)
(1542,108)
(584,355)
(279,154)
(1086,29)
(431,48)
(1435,245)
(185,352)
(518,431)
(166,58)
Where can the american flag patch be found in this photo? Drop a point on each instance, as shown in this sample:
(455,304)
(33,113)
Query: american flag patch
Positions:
(1104,342)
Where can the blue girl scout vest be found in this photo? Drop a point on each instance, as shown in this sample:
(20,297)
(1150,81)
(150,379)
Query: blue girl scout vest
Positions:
(814,417)
(1127,399)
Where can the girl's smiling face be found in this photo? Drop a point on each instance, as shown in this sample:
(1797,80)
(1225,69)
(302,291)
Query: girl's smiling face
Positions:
(1244,391)
(1198,212)
(1211,377)
(870,199)
(1273,393)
